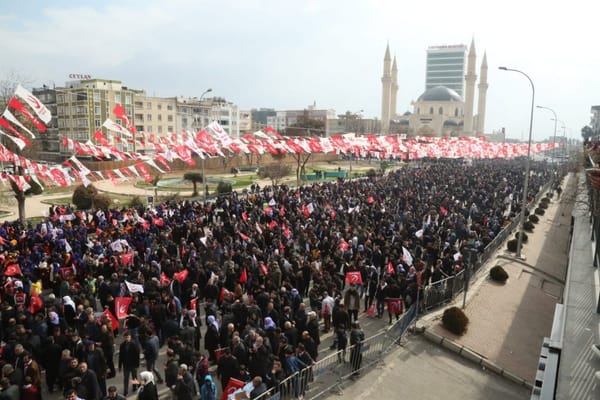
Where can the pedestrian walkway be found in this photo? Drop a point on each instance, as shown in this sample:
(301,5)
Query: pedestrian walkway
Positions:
(508,322)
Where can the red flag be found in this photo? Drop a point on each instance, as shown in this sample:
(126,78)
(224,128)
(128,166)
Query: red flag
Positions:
(122,306)
(122,115)
(113,321)
(344,245)
(370,200)
(12,270)
(35,303)
(390,268)
(127,259)
(264,269)
(244,237)
(193,303)
(273,224)
(443,210)
(354,278)
(17,105)
(245,216)
(181,276)
(244,276)
(232,386)
(164,279)
(394,306)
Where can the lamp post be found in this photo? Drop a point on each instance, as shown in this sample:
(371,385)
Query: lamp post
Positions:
(202,158)
(527,163)
(554,137)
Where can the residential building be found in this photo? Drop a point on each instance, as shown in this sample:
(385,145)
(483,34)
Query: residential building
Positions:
(246,122)
(154,115)
(595,120)
(194,114)
(283,119)
(259,117)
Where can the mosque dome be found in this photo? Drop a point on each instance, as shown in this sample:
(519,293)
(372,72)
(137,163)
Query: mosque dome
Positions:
(440,93)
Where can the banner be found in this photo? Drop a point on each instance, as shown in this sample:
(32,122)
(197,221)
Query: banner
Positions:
(113,321)
(122,306)
(395,306)
(354,278)
(181,276)
(134,287)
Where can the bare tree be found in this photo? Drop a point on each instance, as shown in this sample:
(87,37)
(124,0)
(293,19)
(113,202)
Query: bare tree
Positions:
(275,172)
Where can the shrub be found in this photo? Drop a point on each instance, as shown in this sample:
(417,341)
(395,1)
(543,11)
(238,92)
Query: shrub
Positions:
(498,274)
(528,226)
(455,320)
(525,237)
(545,200)
(540,211)
(102,202)
(136,202)
(83,197)
(511,245)
(371,173)
(549,195)
(224,187)
(543,206)
(534,218)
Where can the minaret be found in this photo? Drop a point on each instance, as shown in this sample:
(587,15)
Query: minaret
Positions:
(394,90)
(483,86)
(470,79)
(386,85)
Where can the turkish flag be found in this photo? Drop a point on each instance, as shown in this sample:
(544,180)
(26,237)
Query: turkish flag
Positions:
(244,276)
(273,224)
(193,303)
(12,270)
(264,269)
(344,245)
(390,268)
(113,321)
(245,216)
(164,279)
(370,200)
(244,237)
(354,278)
(127,259)
(35,303)
(181,276)
(122,306)
(394,306)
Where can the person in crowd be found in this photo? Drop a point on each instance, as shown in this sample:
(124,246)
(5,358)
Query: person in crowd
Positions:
(357,336)
(147,389)
(113,394)
(129,360)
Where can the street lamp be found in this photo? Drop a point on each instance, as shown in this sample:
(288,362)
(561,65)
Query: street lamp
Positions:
(554,138)
(527,164)
(202,158)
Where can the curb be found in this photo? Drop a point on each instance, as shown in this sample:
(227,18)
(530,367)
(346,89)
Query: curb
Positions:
(470,355)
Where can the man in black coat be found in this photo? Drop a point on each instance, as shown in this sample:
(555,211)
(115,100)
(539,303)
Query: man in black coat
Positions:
(228,366)
(129,360)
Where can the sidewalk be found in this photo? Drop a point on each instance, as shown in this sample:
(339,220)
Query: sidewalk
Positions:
(509,322)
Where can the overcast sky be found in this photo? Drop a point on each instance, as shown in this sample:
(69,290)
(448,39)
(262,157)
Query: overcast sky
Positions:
(287,55)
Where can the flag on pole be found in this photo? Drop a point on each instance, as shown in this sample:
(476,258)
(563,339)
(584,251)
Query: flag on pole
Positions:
(122,306)
(354,278)
(114,323)
(134,287)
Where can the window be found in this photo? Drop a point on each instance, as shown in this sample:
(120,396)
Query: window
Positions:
(169,107)
(96,96)
(81,96)
(170,128)
(431,110)
(148,128)
(160,129)
(418,111)
(159,106)
(139,117)
(97,123)
(441,111)
(159,117)
(148,106)
(82,123)
(118,98)
(456,112)
(149,117)
(170,118)
(128,99)
(97,110)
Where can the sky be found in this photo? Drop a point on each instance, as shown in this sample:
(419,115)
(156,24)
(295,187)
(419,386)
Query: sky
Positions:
(288,55)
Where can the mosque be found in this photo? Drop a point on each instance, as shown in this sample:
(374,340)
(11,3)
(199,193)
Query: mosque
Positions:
(440,110)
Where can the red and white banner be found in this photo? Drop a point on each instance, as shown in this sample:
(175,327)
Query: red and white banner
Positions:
(36,105)
(119,111)
(122,306)
(354,278)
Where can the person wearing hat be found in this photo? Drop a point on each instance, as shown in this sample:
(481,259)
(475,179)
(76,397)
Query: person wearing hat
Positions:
(208,391)
(147,390)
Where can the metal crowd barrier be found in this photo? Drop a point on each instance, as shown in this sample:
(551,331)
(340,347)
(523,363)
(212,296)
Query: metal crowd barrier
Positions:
(330,373)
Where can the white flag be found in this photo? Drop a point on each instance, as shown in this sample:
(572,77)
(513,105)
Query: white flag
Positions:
(38,107)
(113,126)
(406,256)
(134,287)
(9,116)
(220,133)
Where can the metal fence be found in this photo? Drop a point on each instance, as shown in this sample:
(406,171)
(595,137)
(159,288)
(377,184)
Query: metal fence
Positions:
(332,372)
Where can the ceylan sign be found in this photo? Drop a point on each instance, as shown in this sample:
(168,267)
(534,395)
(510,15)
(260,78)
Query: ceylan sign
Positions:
(80,76)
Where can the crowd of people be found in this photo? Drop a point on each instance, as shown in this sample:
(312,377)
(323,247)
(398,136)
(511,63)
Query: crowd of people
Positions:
(247,283)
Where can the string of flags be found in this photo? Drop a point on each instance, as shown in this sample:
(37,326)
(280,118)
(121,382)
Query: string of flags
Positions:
(24,109)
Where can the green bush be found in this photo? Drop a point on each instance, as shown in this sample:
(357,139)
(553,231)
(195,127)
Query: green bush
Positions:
(371,173)
(83,197)
(540,211)
(136,202)
(549,195)
(545,200)
(224,187)
(498,274)
(528,226)
(534,218)
(525,237)
(511,245)
(102,202)
(455,320)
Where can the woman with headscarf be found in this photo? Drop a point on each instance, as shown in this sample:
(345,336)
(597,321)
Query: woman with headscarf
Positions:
(195,322)
(211,339)
(69,310)
(147,390)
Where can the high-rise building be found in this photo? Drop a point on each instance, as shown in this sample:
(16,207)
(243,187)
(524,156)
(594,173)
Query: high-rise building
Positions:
(446,66)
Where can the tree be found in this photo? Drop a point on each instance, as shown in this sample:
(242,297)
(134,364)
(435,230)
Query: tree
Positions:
(8,84)
(274,172)
(194,177)
(306,126)
(301,160)
(83,196)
